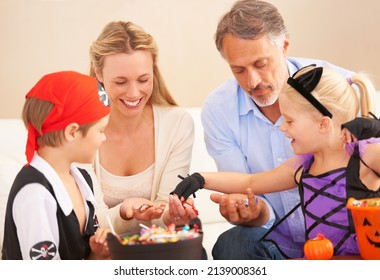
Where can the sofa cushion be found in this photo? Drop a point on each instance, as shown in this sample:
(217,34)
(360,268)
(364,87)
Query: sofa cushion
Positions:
(12,158)
(201,161)
(9,167)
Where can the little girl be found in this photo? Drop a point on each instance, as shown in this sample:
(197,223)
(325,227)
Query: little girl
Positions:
(328,168)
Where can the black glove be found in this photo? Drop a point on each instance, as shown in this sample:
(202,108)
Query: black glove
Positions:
(363,128)
(189,185)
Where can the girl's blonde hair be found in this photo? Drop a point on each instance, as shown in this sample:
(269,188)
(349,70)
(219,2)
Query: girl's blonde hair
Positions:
(126,37)
(343,97)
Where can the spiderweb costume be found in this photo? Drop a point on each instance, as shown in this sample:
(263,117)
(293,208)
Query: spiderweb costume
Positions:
(323,202)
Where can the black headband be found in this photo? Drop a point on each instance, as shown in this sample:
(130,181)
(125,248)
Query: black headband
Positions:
(306,83)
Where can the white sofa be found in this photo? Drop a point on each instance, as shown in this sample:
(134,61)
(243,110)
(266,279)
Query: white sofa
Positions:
(12,158)
(213,223)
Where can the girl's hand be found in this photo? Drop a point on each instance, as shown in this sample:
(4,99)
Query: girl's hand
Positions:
(347,136)
(363,127)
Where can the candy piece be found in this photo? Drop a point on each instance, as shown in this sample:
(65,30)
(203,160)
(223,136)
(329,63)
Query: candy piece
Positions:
(144,207)
(366,203)
(155,234)
(171,227)
(184,203)
(124,241)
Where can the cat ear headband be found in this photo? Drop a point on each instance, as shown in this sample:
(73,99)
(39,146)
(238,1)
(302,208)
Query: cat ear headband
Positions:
(306,83)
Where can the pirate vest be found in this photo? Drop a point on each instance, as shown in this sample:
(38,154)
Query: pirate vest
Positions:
(72,244)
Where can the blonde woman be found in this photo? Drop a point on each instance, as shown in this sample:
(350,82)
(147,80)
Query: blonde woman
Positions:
(149,138)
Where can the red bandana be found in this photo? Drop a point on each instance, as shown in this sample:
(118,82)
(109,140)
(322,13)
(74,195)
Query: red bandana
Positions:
(76,100)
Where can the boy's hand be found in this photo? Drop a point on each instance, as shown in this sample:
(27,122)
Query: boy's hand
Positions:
(99,246)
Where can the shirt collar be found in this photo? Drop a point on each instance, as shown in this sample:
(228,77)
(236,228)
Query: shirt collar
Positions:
(292,68)
(61,194)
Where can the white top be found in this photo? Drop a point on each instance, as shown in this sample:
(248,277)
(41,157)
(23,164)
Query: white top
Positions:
(174,139)
(117,188)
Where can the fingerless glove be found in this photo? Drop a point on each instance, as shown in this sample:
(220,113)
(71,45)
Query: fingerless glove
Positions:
(363,128)
(189,185)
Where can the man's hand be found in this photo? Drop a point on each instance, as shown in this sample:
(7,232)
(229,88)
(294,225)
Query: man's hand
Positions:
(241,209)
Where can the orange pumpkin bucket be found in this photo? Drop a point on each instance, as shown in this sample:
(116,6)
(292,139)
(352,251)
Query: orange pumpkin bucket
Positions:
(366,216)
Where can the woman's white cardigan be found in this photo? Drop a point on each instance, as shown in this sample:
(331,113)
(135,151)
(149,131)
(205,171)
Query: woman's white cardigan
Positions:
(174,138)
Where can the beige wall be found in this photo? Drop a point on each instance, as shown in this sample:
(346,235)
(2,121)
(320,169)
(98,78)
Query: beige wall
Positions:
(41,36)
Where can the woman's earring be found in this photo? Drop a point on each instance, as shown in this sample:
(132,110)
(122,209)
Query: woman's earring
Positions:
(103,95)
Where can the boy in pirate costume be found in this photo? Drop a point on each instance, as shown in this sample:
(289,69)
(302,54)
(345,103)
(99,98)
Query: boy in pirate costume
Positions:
(51,208)
(316,103)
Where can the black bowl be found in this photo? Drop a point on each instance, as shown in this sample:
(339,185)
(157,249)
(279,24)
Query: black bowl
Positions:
(188,249)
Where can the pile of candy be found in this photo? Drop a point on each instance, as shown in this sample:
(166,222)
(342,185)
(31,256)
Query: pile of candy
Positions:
(366,203)
(156,234)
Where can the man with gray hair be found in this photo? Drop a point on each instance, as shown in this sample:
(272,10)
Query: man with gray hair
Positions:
(241,120)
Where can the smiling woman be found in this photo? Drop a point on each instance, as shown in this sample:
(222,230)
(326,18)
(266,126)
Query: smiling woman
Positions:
(149,138)
(128,78)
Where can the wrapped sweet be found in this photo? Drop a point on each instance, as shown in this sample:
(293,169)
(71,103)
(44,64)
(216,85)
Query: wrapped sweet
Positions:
(156,234)
(366,203)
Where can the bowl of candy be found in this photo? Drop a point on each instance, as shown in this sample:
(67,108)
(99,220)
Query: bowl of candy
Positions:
(366,216)
(158,243)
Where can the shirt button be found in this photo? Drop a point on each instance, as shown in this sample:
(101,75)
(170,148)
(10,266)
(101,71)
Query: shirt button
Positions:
(279,159)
